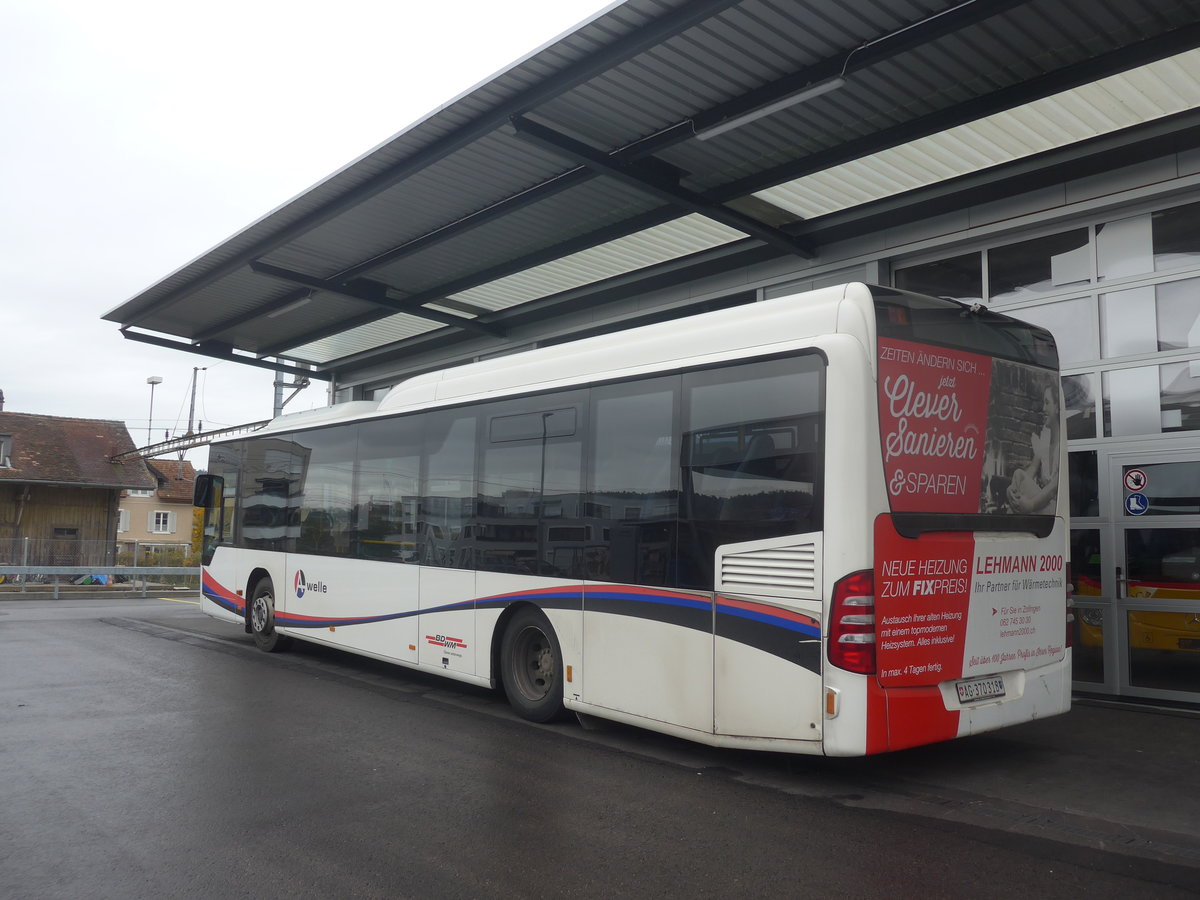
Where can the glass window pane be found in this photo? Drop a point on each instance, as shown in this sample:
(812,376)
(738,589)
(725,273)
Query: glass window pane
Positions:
(1177,237)
(1179,387)
(1086,565)
(505,532)
(1127,322)
(1164,644)
(1085,483)
(326,490)
(1072,322)
(1151,318)
(752,457)
(1163,563)
(528,511)
(271,476)
(1152,399)
(1170,489)
(1039,266)
(1131,401)
(1079,400)
(1124,247)
(1167,239)
(1164,649)
(632,493)
(1177,313)
(225,462)
(448,493)
(565,536)
(385,497)
(960,278)
(1086,568)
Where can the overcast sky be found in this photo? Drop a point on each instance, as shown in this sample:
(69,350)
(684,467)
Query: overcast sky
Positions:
(138,134)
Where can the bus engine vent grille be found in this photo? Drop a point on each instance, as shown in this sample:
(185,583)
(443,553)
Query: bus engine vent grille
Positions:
(790,570)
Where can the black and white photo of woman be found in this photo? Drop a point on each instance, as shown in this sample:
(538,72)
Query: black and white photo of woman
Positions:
(1034,487)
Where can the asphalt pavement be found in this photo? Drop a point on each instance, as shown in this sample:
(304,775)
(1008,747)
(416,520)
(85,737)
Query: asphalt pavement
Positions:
(1120,778)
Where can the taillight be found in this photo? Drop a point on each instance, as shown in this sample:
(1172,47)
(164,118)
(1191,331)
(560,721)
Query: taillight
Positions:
(1070,606)
(852,623)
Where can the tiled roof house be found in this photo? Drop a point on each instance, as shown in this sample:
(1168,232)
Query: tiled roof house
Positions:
(160,518)
(59,489)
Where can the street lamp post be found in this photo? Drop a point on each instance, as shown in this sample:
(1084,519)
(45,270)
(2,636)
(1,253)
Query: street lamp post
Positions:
(152,381)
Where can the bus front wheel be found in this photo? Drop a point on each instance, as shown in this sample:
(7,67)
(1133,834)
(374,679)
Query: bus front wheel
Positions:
(531,667)
(262,619)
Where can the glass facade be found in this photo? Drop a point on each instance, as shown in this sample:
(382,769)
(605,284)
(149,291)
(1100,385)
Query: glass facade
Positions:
(1121,295)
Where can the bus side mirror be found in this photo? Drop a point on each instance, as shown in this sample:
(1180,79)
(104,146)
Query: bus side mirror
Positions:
(207,491)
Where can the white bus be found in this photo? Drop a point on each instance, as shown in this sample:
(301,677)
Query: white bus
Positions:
(830,523)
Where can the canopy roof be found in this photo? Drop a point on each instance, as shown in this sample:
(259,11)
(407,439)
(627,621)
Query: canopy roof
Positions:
(665,139)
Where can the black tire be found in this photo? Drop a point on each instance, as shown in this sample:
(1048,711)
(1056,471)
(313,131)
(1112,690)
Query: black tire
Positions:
(262,619)
(531,667)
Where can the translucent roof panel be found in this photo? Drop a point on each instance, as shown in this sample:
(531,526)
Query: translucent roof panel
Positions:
(1140,95)
(662,243)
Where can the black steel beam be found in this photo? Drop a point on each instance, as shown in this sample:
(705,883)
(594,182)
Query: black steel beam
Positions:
(224,352)
(373,292)
(510,267)
(214,331)
(642,178)
(931,28)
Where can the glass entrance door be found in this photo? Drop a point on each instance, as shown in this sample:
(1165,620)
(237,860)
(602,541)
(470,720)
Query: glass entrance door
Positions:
(1154,581)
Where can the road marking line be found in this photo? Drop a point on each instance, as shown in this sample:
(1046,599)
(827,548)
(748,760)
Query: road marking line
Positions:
(176,600)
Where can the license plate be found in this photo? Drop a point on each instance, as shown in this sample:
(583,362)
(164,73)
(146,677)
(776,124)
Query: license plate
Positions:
(980,689)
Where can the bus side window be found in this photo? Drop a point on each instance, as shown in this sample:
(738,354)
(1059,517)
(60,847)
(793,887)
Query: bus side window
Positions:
(387,490)
(632,492)
(324,495)
(270,478)
(448,490)
(751,456)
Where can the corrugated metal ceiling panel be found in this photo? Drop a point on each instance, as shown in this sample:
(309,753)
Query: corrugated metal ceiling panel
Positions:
(661,70)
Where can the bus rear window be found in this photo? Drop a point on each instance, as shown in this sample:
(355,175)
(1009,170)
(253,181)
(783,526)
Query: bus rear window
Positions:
(948,323)
(970,417)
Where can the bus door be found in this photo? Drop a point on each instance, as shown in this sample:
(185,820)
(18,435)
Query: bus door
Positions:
(751,498)
(767,651)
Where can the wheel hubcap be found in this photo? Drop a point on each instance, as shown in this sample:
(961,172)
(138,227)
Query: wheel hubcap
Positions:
(534,663)
(260,613)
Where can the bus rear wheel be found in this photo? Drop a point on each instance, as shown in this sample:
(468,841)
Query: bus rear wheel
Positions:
(531,667)
(262,619)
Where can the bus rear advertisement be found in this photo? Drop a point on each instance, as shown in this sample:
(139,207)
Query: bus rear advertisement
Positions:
(829,523)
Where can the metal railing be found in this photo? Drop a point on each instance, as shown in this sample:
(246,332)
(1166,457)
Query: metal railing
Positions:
(46,579)
(54,565)
(72,552)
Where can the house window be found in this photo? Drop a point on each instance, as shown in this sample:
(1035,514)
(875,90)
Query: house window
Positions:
(162,522)
(140,493)
(122,520)
(5,451)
